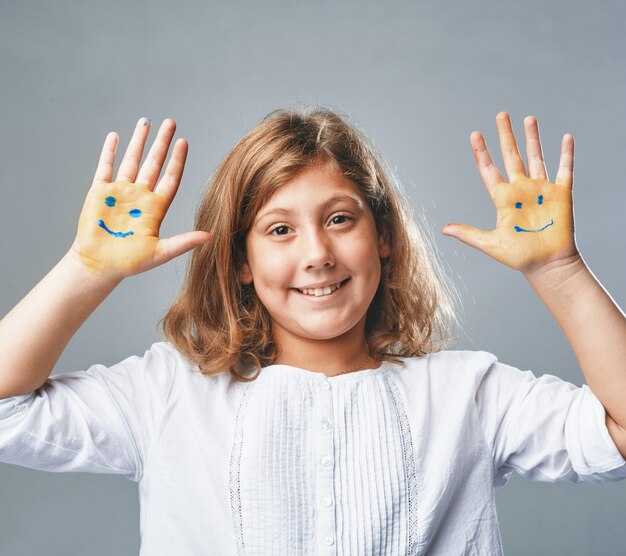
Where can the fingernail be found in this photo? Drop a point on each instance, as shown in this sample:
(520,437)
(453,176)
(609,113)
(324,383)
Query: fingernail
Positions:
(146,121)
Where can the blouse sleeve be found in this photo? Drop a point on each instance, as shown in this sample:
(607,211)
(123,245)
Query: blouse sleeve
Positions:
(101,420)
(544,428)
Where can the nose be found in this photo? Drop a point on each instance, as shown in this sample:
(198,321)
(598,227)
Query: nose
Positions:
(317,250)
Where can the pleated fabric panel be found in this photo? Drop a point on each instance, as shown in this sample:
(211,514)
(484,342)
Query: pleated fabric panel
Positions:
(323,465)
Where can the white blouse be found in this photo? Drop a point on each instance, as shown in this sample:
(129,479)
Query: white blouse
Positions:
(402,459)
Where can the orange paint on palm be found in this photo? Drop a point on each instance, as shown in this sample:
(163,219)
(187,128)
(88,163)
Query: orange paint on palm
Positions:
(537,206)
(118,229)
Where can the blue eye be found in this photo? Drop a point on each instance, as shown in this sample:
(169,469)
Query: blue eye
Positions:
(135,213)
(540,200)
(110,201)
(518,205)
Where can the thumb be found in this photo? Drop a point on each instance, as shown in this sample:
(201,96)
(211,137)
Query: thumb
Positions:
(172,247)
(474,237)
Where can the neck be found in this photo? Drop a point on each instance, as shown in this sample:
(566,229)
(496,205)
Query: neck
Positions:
(331,357)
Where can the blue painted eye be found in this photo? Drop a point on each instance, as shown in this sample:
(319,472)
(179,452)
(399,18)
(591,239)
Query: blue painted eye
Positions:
(540,200)
(110,201)
(135,213)
(518,205)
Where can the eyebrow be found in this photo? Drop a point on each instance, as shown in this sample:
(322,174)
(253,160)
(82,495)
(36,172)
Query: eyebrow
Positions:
(331,201)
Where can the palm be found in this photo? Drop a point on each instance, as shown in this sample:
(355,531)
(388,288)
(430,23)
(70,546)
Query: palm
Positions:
(535,223)
(119,225)
(118,229)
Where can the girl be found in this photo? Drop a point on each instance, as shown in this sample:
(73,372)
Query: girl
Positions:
(303,403)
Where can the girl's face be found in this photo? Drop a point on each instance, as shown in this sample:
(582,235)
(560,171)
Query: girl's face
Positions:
(315,232)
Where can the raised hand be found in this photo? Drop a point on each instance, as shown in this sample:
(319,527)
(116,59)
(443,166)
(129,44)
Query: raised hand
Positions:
(118,229)
(535,219)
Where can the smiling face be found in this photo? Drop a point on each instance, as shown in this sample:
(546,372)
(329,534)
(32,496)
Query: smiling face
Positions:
(315,231)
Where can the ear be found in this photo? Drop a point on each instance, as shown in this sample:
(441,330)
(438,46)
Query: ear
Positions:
(384,247)
(245,275)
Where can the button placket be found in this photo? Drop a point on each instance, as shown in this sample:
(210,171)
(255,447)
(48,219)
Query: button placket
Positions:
(325,522)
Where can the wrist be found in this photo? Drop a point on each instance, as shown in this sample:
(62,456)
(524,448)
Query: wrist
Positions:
(73,265)
(558,273)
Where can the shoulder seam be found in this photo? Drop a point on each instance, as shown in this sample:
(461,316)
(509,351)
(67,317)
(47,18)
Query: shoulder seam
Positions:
(169,392)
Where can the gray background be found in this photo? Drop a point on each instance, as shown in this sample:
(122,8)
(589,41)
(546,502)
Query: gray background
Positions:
(417,76)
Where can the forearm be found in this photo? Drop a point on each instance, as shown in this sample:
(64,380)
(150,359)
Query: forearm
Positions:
(594,325)
(36,331)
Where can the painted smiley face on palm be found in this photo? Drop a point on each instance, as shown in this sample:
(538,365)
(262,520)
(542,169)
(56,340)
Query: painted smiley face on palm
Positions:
(533,206)
(519,205)
(111,201)
(535,221)
(119,225)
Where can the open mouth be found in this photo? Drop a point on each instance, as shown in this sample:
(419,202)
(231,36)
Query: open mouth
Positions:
(518,229)
(324,293)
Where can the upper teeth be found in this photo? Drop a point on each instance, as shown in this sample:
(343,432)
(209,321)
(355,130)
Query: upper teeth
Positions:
(320,291)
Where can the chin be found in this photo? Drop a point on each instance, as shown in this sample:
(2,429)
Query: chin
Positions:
(319,334)
(325,332)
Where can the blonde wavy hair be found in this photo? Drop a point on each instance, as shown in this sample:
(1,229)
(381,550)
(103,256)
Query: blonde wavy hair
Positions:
(220,324)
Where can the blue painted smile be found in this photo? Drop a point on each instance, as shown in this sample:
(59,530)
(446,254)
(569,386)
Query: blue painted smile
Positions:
(110,202)
(518,205)
(518,229)
(116,234)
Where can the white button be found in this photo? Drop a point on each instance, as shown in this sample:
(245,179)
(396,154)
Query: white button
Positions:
(325,424)
(328,501)
(324,385)
(329,541)
(326,460)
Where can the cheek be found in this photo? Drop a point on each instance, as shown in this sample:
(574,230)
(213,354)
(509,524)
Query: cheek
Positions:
(363,252)
(270,268)
(361,258)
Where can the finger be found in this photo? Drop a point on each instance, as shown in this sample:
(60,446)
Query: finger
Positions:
(488,172)
(104,170)
(534,152)
(151,168)
(172,247)
(474,237)
(132,157)
(510,153)
(565,174)
(170,181)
